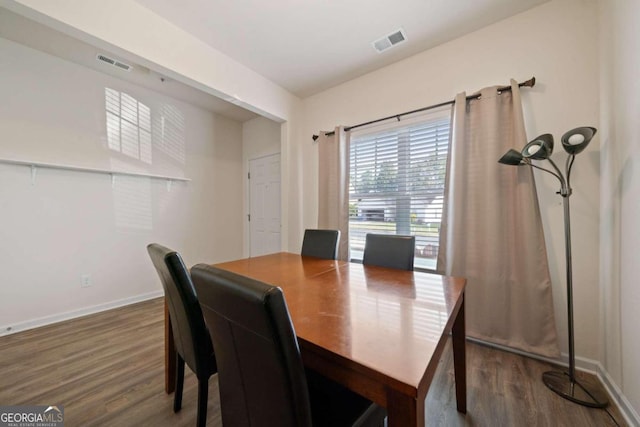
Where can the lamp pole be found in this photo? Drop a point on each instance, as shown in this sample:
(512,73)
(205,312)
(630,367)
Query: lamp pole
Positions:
(567,244)
(587,392)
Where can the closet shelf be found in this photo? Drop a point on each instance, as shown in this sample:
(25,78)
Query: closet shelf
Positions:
(90,170)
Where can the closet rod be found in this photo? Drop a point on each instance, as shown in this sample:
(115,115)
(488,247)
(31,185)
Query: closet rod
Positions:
(529,83)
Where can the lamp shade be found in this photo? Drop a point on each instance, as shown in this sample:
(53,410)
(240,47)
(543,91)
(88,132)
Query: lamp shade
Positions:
(511,157)
(540,148)
(576,140)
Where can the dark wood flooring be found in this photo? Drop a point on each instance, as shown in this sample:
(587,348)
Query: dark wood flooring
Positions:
(107,370)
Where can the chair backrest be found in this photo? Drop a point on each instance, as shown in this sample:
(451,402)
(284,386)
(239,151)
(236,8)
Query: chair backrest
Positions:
(260,372)
(321,243)
(190,333)
(392,251)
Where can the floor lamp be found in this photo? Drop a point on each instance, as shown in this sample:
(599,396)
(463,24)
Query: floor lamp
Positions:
(585,392)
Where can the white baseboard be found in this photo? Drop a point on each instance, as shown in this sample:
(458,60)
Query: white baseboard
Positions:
(628,412)
(582,363)
(55,318)
(586,365)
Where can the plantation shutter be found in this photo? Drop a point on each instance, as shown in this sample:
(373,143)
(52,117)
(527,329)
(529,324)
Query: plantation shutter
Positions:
(397,183)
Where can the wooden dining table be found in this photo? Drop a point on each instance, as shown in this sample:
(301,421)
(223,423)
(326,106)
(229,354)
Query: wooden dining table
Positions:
(378,331)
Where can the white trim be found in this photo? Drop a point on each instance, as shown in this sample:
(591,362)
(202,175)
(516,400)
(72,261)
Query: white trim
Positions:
(582,363)
(55,318)
(262,156)
(586,365)
(626,409)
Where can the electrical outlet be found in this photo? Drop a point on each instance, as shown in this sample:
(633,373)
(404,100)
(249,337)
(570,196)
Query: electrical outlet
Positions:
(85,281)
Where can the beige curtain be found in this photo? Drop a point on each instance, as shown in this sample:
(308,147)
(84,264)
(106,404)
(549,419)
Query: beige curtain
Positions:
(491,227)
(333,186)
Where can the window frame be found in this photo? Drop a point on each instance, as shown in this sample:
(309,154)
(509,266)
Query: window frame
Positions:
(433,153)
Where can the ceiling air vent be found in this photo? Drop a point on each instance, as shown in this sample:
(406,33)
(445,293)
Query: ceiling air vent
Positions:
(389,40)
(114,62)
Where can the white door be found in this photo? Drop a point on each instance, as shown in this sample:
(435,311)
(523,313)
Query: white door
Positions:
(264,205)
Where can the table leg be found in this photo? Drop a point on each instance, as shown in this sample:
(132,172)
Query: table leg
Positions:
(459,359)
(169,354)
(403,410)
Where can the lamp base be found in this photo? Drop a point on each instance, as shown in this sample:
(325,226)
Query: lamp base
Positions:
(585,392)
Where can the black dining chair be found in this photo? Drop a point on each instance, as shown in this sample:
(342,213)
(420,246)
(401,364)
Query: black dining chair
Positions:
(261,378)
(391,251)
(320,243)
(191,337)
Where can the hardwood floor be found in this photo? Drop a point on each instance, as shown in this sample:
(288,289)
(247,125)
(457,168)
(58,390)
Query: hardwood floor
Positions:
(107,369)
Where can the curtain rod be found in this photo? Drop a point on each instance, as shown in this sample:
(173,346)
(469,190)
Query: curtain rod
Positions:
(529,83)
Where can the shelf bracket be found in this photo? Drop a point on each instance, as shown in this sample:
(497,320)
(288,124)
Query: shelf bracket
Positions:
(34,172)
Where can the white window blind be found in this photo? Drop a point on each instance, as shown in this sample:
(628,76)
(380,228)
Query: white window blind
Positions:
(397,184)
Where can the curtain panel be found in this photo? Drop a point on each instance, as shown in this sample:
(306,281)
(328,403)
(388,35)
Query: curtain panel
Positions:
(333,186)
(492,230)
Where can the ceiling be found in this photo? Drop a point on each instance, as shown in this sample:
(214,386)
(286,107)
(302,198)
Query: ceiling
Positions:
(307,46)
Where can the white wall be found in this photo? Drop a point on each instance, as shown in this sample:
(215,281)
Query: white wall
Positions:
(620,193)
(553,42)
(260,137)
(68,223)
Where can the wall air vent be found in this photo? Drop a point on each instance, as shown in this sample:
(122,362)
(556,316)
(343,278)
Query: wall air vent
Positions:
(390,40)
(114,62)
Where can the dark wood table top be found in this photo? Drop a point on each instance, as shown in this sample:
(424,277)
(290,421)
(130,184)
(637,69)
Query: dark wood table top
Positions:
(388,325)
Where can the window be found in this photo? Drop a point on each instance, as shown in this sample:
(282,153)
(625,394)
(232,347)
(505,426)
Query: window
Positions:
(128,125)
(397,184)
